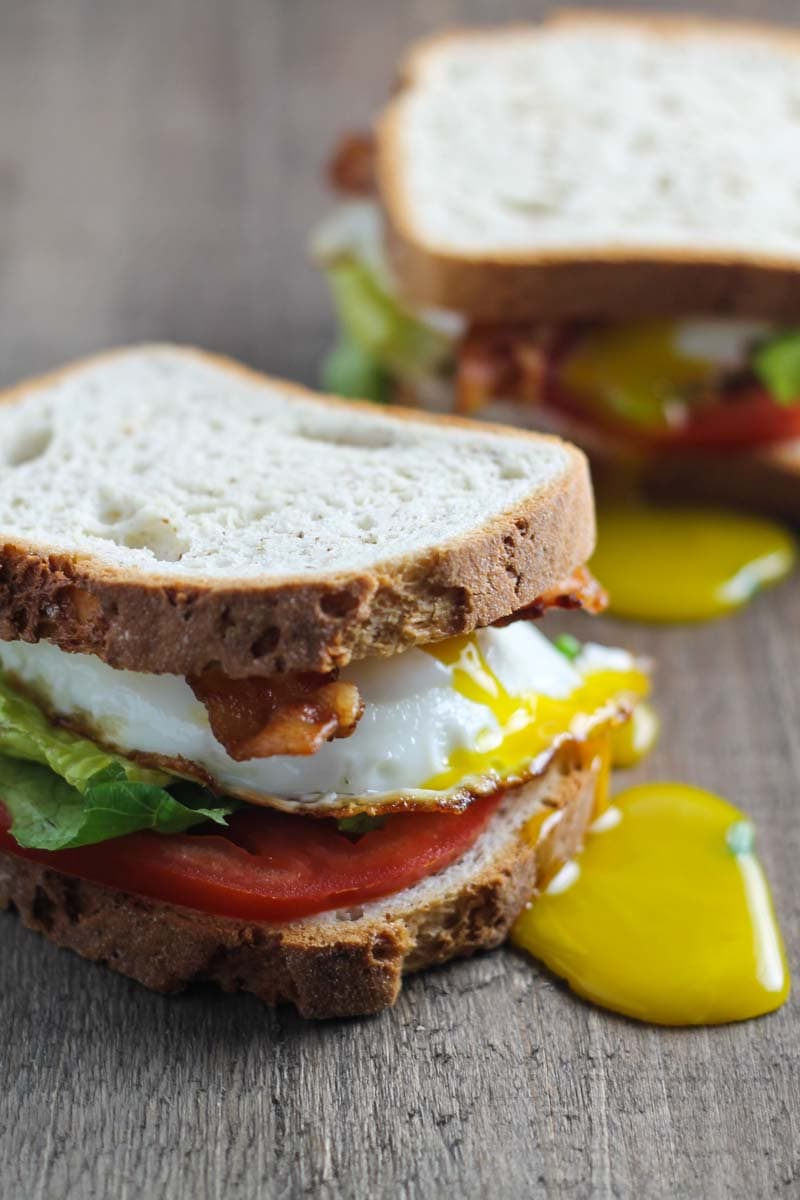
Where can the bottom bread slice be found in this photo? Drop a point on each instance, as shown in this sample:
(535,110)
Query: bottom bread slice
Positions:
(344,963)
(766,479)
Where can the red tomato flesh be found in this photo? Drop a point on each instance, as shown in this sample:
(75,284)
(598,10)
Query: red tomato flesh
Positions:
(752,418)
(272,866)
(748,420)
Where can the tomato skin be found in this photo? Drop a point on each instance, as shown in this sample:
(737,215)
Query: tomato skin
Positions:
(272,866)
(752,418)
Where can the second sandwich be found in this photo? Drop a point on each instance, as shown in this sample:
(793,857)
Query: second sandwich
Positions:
(588,226)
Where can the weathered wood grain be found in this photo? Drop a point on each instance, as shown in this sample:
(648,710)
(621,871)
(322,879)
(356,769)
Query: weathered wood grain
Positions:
(158,174)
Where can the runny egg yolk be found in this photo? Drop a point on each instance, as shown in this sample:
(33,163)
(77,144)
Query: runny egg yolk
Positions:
(686,564)
(637,372)
(666,915)
(634,739)
(530,724)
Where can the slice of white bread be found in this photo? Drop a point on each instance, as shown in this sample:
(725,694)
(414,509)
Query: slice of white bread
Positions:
(338,964)
(598,164)
(166,510)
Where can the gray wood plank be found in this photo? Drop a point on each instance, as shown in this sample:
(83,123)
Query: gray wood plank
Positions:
(159,171)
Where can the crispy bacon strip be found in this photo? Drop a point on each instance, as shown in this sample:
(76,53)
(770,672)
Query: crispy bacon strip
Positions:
(508,362)
(581,590)
(352,168)
(283,714)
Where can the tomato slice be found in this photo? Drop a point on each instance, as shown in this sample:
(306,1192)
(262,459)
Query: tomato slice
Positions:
(629,390)
(750,418)
(269,865)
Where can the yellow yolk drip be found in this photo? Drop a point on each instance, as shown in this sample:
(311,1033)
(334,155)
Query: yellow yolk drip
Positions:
(531,724)
(637,372)
(666,915)
(634,739)
(686,564)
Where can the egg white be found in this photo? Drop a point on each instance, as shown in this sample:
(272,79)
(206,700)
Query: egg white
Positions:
(414,718)
(724,341)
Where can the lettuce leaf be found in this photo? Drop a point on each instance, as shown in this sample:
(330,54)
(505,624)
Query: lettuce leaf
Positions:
(349,371)
(63,791)
(568,645)
(48,814)
(25,732)
(360,824)
(777,364)
(379,326)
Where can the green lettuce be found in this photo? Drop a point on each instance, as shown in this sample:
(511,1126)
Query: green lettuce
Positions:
(389,338)
(47,814)
(568,645)
(777,364)
(360,824)
(63,791)
(25,732)
(349,371)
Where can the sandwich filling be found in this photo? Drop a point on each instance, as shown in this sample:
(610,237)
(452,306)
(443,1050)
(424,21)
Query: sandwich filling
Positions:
(651,386)
(441,725)
(354,786)
(122,777)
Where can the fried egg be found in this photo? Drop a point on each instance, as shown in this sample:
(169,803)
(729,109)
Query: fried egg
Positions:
(642,369)
(440,724)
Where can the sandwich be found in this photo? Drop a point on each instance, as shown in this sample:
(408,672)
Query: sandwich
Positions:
(274,709)
(587,226)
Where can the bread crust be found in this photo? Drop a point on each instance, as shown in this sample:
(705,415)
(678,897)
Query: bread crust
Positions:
(766,480)
(615,281)
(329,966)
(168,624)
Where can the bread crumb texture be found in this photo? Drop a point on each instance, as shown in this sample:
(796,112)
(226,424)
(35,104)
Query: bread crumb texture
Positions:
(158,459)
(600,134)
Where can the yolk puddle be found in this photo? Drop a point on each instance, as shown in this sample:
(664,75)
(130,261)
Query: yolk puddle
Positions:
(686,564)
(666,915)
(528,725)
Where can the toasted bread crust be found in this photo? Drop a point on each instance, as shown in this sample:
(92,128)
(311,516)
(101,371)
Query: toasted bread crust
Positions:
(164,624)
(613,282)
(766,480)
(617,284)
(332,966)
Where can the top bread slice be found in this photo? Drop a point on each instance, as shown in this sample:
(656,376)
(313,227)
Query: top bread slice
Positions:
(598,165)
(168,510)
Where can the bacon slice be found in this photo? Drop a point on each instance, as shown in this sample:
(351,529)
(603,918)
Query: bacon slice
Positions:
(581,590)
(351,170)
(283,714)
(508,362)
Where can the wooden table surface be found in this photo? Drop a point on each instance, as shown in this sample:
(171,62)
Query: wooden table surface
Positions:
(159,170)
